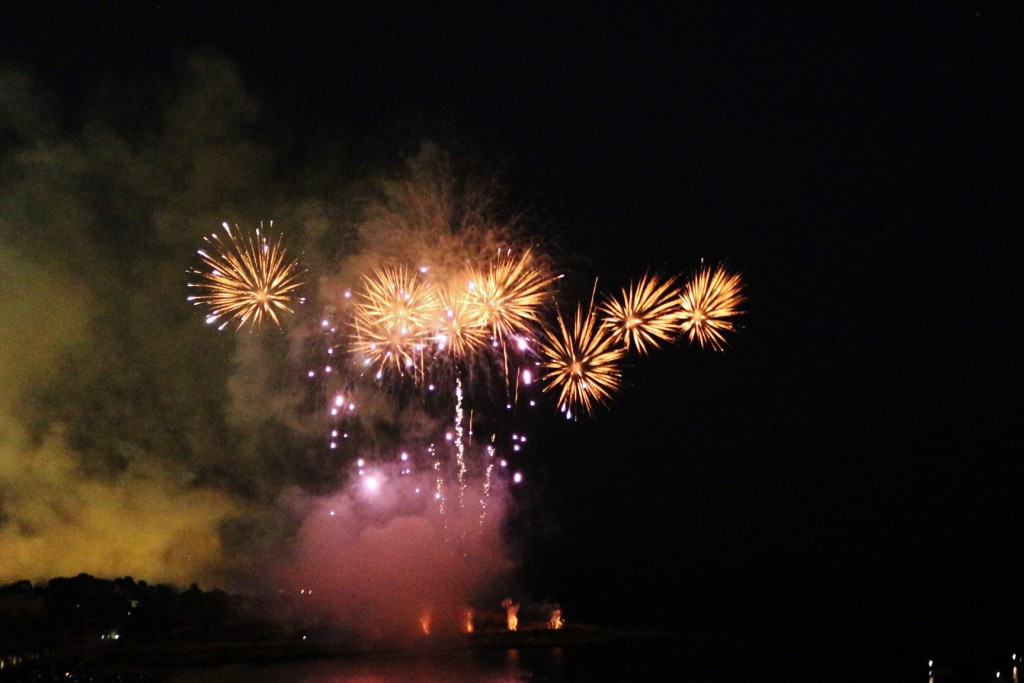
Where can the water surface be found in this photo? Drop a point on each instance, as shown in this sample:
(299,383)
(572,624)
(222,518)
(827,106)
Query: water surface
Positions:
(639,662)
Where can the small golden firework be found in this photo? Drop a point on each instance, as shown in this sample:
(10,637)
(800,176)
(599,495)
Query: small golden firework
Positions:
(510,294)
(645,316)
(392,318)
(458,330)
(707,303)
(583,363)
(246,279)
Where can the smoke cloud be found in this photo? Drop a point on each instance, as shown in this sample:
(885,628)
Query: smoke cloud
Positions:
(136,440)
(387,558)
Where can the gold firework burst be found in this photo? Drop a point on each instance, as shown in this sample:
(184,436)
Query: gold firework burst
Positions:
(583,363)
(247,279)
(459,329)
(392,318)
(647,314)
(707,303)
(510,294)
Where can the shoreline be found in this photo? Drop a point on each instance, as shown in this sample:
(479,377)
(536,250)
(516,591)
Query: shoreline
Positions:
(168,658)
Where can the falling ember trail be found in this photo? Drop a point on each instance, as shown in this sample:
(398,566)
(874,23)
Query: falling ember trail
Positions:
(460,443)
(439,486)
(488,473)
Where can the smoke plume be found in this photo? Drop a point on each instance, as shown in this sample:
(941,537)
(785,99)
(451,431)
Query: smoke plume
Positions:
(136,440)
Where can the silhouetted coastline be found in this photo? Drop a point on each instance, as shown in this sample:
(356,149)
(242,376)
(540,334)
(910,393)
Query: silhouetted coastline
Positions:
(91,629)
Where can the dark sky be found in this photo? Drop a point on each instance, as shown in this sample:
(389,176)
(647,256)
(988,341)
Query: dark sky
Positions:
(849,470)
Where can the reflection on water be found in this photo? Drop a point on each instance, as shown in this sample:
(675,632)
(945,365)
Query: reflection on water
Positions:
(493,667)
(633,662)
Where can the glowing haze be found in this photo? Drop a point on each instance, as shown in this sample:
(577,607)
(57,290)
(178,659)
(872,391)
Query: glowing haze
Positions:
(134,439)
(115,455)
(358,432)
(383,555)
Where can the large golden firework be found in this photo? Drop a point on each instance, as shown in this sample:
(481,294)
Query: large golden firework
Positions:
(583,363)
(510,294)
(393,318)
(247,279)
(707,303)
(647,314)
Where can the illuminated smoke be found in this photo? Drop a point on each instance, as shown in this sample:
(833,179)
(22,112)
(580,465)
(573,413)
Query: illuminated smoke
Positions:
(114,452)
(386,560)
(135,439)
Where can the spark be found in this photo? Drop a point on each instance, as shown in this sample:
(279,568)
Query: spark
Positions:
(439,483)
(708,301)
(583,363)
(460,443)
(247,279)
(645,315)
(487,480)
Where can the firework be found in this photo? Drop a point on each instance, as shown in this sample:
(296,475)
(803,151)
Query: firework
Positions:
(459,328)
(710,298)
(247,279)
(647,314)
(392,319)
(510,294)
(583,363)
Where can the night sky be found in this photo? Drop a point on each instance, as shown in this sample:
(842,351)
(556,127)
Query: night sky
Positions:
(846,476)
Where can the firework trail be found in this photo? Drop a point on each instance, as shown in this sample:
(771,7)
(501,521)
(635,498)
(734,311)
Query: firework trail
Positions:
(581,362)
(709,299)
(438,482)
(488,473)
(460,442)
(247,279)
(646,315)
